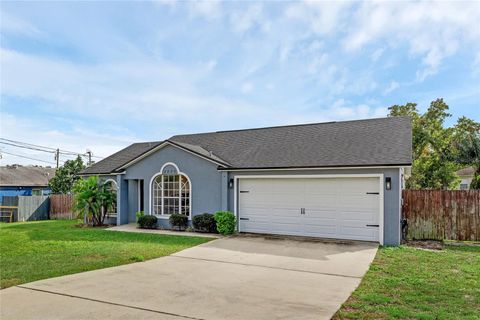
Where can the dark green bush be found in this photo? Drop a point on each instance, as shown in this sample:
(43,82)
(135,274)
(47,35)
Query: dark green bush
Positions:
(204,223)
(178,221)
(225,222)
(147,222)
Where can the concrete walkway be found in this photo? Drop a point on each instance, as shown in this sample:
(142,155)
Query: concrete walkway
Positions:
(229,278)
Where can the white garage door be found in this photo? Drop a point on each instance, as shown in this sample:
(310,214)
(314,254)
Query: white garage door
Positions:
(341,208)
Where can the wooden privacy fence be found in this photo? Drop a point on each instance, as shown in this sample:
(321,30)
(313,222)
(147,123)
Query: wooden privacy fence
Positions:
(61,206)
(440,214)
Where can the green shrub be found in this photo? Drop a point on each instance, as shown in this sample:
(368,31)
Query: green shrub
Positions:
(178,221)
(225,222)
(204,223)
(147,222)
(139,214)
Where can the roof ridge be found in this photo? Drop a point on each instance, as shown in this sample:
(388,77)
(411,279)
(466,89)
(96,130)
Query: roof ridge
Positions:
(289,126)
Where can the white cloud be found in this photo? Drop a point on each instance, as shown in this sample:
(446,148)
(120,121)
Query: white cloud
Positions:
(476,64)
(243,20)
(270,86)
(318,64)
(431,29)
(345,109)
(323,17)
(247,87)
(211,64)
(15,25)
(377,54)
(211,9)
(391,87)
(46,133)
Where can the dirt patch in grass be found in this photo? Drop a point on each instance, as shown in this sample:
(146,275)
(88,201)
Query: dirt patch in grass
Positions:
(425,244)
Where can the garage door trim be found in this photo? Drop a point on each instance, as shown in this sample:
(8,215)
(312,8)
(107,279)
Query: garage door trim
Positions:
(315,176)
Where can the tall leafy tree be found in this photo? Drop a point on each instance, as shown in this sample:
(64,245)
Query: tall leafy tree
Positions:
(435,155)
(66,176)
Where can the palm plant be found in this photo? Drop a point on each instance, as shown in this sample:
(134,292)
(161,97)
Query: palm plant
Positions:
(93,199)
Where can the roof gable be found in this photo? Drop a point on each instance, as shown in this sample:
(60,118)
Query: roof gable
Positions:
(194,149)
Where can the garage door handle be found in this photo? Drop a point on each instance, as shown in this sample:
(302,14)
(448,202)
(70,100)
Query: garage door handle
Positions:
(373,225)
(244,219)
(373,192)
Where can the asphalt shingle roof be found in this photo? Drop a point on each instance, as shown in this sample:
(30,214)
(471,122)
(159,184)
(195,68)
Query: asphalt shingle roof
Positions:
(385,141)
(120,158)
(372,142)
(25,176)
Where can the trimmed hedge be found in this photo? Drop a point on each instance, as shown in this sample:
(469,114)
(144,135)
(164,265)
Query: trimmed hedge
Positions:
(147,222)
(178,221)
(225,222)
(204,223)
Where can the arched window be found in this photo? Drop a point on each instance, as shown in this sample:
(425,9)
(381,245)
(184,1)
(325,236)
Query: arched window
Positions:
(170,192)
(112,187)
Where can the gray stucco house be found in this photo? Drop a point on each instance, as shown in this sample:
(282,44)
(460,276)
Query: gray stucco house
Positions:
(338,180)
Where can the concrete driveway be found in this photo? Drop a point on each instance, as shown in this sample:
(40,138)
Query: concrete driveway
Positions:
(231,278)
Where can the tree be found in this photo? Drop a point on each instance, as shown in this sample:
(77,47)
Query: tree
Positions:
(93,200)
(467,143)
(435,157)
(66,176)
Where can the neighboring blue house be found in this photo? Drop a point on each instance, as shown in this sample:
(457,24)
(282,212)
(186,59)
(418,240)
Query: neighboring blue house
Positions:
(338,180)
(17,180)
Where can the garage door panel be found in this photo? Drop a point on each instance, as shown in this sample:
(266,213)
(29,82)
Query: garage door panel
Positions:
(271,199)
(334,207)
(358,233)
(281,228)
(325,231)
(320,214)
(356,184)
(360,219)
(320,201)
(362,215)
(259,227)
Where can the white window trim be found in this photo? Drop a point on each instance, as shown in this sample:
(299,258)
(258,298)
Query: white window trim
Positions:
(380,177)
(166,216)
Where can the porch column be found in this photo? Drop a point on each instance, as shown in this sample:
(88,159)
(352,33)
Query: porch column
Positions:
(122,200)
(224,191)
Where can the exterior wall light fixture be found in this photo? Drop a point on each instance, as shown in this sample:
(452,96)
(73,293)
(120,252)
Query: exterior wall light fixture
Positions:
(388,183)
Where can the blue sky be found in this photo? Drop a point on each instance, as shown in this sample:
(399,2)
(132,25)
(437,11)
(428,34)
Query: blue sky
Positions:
(101,75)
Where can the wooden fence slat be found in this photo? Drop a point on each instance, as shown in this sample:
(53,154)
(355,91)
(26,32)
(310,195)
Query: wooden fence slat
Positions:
(442,214)
(61,206)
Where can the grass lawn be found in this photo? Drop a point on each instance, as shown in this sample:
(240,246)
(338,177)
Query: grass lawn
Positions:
(409,283)
(32,251)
